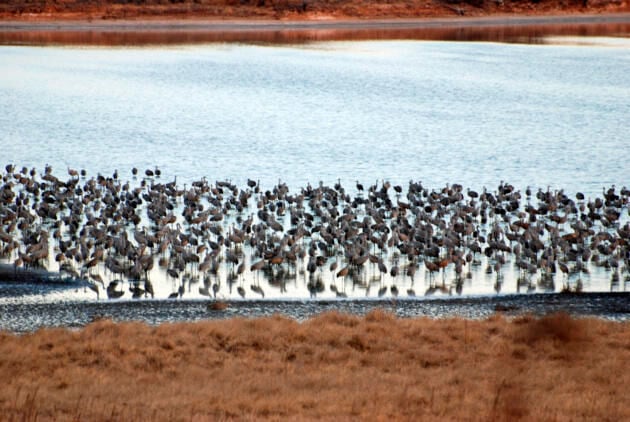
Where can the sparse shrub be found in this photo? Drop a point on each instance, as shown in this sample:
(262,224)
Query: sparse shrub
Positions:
(379,315)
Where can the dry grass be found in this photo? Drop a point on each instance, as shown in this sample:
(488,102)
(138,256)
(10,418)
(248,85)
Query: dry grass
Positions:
(333,366)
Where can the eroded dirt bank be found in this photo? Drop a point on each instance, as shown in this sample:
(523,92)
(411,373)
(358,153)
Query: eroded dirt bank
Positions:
(296,9)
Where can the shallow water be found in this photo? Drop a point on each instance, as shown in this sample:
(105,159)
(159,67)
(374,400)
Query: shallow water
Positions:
(440,112)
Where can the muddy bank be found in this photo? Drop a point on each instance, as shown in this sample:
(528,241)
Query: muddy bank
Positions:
(328,367)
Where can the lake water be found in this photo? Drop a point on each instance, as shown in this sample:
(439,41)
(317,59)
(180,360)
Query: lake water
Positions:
(553,115)
(440,112)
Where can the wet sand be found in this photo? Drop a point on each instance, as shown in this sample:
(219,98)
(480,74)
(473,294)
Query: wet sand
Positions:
(332,366)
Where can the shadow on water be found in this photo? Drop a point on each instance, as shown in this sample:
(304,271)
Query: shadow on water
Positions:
(130,36)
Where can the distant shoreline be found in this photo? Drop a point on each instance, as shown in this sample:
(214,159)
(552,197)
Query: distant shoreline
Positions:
(317,12)
(528,29)
(243,25)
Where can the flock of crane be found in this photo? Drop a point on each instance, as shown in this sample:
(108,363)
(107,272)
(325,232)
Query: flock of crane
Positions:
(110,234)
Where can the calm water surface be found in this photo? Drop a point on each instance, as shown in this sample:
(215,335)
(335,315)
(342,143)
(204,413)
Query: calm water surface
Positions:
(440,112)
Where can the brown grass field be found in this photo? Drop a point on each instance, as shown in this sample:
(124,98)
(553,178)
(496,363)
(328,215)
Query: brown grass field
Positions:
(331,367)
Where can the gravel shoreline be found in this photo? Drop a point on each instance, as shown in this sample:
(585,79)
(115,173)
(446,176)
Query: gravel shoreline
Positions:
(20,317)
